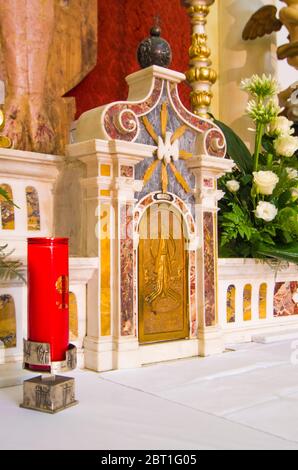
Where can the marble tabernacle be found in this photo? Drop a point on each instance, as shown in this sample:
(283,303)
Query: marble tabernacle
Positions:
(150,217)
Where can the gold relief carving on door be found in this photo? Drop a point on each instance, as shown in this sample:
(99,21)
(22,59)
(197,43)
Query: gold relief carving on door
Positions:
(163,274)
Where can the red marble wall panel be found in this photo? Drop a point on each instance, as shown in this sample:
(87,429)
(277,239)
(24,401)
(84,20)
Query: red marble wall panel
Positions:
(209,270)
(126,270)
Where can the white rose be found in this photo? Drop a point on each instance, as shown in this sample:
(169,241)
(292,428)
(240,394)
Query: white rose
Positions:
(266,211)
(292,173)
(281,126)
(265,181)
(286,145)
(294,192)
(233,186)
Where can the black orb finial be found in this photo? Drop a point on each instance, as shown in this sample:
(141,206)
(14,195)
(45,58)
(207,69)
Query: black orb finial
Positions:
(154,50)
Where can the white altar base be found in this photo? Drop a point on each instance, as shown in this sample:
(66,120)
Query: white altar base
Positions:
(238,400)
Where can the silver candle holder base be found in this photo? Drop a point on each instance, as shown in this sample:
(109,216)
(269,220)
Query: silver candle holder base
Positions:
(48,393)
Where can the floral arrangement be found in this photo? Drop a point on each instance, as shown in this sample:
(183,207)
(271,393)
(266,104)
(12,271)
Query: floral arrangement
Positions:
(259,212)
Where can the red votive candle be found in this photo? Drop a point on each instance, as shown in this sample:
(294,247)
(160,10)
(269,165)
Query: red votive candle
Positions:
(48,312)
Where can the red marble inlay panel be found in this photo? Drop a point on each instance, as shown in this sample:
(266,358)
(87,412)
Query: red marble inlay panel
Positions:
(192,293)
(284,304)
(208,183)
(126,270)
(209,269)
(126,171)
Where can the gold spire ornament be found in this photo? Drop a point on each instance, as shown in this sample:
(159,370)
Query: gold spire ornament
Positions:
(200,75)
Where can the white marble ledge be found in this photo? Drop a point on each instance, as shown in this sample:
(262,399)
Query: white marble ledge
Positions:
(98,148)
(81,271)
(231,268)
(29,165)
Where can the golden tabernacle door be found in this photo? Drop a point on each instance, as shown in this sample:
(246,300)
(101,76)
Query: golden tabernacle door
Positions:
(163,275)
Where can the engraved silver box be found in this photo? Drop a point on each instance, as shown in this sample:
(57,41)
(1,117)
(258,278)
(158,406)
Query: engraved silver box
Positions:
(49,394)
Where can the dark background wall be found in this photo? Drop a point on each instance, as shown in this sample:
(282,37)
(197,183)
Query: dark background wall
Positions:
(122,24)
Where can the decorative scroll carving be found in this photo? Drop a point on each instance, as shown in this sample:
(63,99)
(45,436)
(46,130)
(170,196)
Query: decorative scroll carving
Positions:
(121,119)
(214,140)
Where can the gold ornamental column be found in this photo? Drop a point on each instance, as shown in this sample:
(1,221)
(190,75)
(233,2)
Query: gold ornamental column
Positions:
(200,75)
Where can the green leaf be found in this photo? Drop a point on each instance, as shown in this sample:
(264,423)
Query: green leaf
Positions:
(5,196)
(286,252)
(9,269)
(266,238)
(236,148)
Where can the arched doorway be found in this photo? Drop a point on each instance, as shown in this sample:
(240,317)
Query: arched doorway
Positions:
(162,275)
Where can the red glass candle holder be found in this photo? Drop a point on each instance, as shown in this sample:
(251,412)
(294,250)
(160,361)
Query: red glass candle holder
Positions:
(48,310)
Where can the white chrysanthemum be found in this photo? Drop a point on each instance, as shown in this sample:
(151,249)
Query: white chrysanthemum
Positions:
(281,126)
(292,173)
(261,87)
(294,192)
(266,211)
(265,181)
(233,186)
(286,145)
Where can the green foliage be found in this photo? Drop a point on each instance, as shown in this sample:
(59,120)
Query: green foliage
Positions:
(236,148)
(4,194)
(9,269)
(285,252)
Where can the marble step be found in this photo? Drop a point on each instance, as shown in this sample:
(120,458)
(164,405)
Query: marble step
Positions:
(266,338)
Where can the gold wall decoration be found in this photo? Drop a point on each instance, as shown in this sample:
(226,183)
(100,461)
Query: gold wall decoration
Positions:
(163,275)
(200,75)
(247,299)
(7,209)
(33,212)
(73,317)
(263,301)
(231,304)
(105,281)
(8,326)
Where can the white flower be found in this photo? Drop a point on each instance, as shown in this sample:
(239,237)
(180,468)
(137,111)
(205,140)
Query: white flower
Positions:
(266,211)
(265,181)
(262,87)
(263,112)
(294,192)
(286,145)
(281,126)
(233,186)
(292,173)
